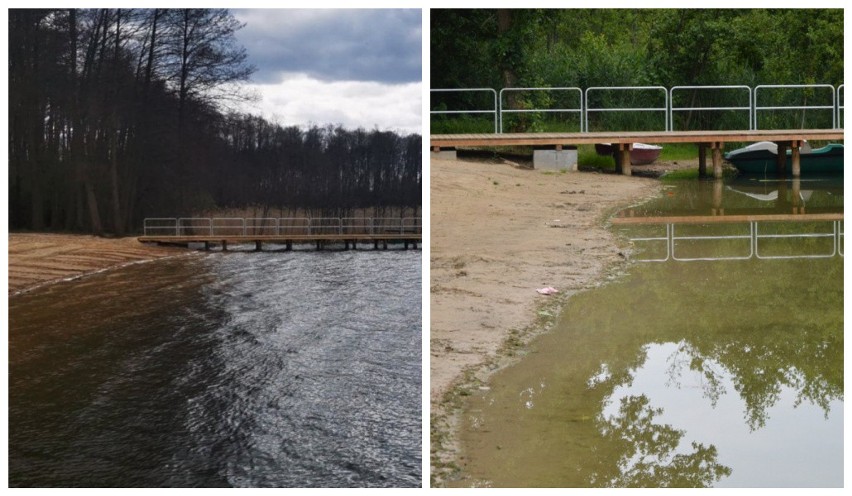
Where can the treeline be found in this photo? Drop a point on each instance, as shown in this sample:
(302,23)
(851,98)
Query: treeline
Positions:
(328,170)
(117,114)
(501,48)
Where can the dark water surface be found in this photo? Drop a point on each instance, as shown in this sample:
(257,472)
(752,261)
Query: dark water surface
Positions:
(230,369)
(716,361)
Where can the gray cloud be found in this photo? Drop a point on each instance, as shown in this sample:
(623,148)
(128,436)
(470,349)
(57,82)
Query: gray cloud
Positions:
(381,45)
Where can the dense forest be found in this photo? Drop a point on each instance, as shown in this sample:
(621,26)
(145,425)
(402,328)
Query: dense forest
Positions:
(118,114)
(585,48)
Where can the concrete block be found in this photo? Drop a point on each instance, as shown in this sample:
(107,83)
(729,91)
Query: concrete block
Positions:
(448,154)
(555,159)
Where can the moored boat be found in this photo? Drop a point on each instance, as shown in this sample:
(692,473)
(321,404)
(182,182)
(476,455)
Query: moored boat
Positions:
(761,158)
(641,154)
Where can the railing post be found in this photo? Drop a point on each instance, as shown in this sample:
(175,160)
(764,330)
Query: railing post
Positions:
(838,124)
(495,111)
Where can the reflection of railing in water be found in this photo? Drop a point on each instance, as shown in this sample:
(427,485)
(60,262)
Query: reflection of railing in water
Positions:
(752,246)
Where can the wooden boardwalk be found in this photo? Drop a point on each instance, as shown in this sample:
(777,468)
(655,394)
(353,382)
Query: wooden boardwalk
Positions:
(320,241)
(789,138)
(728,218)
(628,137)
(287,232)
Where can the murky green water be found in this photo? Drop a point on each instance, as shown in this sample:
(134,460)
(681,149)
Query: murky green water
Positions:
(719,363)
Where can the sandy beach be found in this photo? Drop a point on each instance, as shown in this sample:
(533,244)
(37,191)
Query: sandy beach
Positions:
(500,232)
(39,259)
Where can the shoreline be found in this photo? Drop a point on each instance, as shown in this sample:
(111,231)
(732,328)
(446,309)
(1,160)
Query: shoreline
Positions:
(499,233)
(37,260)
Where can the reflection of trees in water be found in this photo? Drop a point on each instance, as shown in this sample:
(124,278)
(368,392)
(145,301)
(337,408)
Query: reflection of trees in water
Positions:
(761,364)
(647,452)
(637,451)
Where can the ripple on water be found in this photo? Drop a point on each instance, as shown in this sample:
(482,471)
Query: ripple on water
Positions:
(250,369)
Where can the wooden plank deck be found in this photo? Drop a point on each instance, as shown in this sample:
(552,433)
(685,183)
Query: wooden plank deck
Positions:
(725,219)
(288,240)
(438,141)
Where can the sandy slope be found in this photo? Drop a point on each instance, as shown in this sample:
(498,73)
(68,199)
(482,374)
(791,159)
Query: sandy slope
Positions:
(37,259)
(498,233)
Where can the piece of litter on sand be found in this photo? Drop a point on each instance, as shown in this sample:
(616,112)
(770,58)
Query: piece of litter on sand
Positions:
(547,291)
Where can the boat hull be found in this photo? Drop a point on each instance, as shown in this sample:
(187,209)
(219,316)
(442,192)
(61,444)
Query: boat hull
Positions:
(639,155)
(824,161)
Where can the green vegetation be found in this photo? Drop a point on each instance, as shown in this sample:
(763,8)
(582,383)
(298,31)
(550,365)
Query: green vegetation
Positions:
(504,48)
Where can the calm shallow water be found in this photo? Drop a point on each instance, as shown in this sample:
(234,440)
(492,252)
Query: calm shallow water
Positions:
(723,370)
(235,369)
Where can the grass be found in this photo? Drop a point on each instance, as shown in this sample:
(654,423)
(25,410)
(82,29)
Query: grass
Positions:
(679,151)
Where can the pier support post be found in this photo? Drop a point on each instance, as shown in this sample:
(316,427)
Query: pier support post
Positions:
(702,159)
(289,246)
(781,163)
(624,156)
(319,245)
(224,245)
(796,158)
(206,246)
(716,148)
(258,246)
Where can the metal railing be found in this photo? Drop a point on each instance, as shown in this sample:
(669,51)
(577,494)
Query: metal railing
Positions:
(673,109)
(796,107)
(578,110)
(284,226)
(839,120)
(836,107)
(494,111)
(664,109)
(752,247)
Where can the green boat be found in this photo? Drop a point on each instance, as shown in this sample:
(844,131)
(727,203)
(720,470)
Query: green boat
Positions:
(761,158)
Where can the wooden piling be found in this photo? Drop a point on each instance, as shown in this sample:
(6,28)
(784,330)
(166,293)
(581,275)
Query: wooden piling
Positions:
(716,148)
(258,246)
(781,161)
(702,160)
(224,245)
(796,158)
(624,152)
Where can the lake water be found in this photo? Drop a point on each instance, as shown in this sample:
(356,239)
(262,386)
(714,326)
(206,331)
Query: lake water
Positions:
(717,360)
(226,369)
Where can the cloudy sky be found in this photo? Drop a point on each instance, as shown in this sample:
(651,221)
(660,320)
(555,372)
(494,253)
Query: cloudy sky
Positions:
(358,68)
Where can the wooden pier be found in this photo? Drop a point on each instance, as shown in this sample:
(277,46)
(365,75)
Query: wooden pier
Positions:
(714,140)
(320,241)
(325,232)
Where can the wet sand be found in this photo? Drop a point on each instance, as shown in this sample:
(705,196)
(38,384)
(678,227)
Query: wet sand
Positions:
(39,259)
(498,234)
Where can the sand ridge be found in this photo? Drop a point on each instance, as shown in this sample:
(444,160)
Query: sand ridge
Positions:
(36,259)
